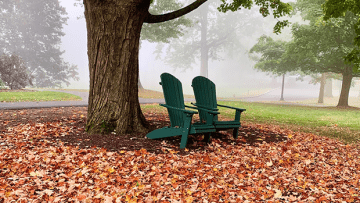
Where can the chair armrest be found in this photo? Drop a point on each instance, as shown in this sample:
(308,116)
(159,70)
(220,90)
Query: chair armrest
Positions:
(230,107)
(199,108)
(178,109)
(204,107)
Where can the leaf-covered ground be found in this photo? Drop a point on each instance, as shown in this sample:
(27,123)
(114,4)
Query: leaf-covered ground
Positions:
(45,155)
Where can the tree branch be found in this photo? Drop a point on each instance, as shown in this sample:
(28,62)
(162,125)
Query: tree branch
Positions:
(170,16)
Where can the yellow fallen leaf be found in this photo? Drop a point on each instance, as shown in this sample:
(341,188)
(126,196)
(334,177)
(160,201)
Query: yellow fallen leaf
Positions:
(188,199)
(111,170)
(277,194)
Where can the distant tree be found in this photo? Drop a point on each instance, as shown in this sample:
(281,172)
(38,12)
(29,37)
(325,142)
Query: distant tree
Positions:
(2,84)
(13,72)
(322,45)
(279,58)
(271,53)
(338,9)
(325,81)
(270,61)
(33,29)
(210,37)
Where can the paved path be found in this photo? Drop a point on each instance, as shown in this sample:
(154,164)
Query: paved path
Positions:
(271,96)
(293,94)
(84,102)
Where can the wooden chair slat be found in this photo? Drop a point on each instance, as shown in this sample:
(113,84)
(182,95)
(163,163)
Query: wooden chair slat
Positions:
(205,96)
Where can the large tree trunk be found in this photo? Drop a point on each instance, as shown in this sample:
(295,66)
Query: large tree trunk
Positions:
(345,88)
(113,29)
(322,88)
(204,50)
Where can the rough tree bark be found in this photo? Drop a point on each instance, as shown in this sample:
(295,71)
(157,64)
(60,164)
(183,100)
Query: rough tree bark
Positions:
(113,28)
(345,87)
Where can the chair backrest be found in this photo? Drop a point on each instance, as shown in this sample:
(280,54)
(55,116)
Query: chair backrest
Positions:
(205,95)
(173,94)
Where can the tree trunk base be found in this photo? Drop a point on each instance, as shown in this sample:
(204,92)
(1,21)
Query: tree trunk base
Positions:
(124,123)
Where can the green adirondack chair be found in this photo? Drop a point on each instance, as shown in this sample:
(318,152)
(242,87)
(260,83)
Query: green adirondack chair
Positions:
(180,118)
(205,96)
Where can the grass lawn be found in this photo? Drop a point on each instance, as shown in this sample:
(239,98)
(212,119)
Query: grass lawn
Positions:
(326,121)
(332,101)
(37,96)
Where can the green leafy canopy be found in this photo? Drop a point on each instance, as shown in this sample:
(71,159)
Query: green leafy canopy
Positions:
(338,9)
(278,8)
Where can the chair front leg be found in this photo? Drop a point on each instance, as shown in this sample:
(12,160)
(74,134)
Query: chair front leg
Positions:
(186,130)
(237,118)
(237,115)
(207,137)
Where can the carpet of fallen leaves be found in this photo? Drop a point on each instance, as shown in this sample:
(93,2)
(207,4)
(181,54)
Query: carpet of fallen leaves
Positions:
(277,165)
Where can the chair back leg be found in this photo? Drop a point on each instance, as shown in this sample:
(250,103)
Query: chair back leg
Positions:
(235,133)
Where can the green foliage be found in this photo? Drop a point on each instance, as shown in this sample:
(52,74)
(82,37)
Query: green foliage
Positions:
(277,7)
(338,9)
(309,10)
(271,56)
(322,45)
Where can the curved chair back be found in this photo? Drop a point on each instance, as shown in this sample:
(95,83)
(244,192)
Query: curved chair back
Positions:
(173,94)
(205,95)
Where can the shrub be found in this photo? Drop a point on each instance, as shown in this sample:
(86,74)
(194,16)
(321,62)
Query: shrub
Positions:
(13,72)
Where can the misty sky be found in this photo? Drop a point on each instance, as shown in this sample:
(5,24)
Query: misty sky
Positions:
(225,74)
(75,45)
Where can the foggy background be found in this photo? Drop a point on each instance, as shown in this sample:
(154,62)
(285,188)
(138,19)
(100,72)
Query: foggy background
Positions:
(232,76)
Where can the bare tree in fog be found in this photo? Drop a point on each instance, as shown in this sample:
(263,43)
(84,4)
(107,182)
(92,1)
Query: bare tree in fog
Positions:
(160,32)
(211,37)
(33,30)
(13,72)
